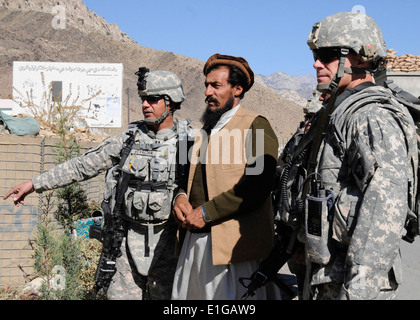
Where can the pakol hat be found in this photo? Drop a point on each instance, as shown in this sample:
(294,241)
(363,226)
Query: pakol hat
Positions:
(225,60)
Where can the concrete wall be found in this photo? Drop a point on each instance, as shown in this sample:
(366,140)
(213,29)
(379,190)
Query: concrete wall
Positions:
(408,81)
(22,158)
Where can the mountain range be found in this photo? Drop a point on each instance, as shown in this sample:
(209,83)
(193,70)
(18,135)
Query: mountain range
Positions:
(294,88)
(27,33)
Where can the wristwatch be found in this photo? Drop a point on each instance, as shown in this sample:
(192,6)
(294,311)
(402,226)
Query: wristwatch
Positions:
(205,216)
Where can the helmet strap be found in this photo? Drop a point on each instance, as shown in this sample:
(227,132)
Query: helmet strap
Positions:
(353,70)
(340,73)
(163,116)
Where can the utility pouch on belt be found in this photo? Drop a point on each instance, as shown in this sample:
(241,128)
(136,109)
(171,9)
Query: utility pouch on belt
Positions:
(318,220)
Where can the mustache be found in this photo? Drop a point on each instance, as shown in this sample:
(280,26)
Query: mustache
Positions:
(211,99)
(210,118)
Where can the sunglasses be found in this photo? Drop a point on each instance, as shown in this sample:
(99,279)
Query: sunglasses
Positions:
(326,55)
(151,99)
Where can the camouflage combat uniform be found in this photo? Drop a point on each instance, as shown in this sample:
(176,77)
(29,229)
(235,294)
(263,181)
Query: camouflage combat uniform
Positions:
(146,267)
(357,184)
(150,238)
(369,174)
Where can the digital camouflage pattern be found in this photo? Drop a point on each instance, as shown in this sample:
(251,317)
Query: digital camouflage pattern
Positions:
(150,237)
(152,160)
(129,284)
(92,163)
(313,104)
(317,241)
(353,30)
(162,82)
(366,159)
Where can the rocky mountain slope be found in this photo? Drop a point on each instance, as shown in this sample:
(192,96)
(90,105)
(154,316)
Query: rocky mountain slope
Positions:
(27,33)
(294,88)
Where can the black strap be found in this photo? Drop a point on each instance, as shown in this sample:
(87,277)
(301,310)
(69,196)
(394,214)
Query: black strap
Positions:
(127,146)
(324,119)
(148,185)
(399,92)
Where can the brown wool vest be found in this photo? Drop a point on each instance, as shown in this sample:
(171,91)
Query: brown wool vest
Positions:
(248,235)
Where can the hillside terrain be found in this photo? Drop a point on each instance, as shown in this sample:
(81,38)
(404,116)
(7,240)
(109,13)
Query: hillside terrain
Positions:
(293,88)
(27,34)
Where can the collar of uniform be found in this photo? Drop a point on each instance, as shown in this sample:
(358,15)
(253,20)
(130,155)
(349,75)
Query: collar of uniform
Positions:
(164,134)
(224,119)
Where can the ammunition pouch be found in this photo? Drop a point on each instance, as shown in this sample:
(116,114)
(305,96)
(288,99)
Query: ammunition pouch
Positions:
(148,205)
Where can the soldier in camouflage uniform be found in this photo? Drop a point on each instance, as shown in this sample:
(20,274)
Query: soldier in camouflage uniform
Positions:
(356,202)
(146,267)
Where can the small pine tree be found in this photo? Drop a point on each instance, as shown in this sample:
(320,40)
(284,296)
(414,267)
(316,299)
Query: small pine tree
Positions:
(73,203)
(58,256)
(45,254)
(58,262)
(72,264)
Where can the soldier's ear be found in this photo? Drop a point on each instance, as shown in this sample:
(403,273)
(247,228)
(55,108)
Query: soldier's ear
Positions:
(357,60)
(172,105)
(363,64)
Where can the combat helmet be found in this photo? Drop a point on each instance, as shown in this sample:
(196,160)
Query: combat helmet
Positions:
(160,83)
(350,31)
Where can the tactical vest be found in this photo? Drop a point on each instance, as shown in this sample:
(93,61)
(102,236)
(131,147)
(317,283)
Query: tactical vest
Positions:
(152,164)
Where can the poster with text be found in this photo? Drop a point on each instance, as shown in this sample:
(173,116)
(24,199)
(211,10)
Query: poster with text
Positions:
(96,88)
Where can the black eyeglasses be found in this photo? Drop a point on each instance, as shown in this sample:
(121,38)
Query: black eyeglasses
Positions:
(326,55)
(151,99)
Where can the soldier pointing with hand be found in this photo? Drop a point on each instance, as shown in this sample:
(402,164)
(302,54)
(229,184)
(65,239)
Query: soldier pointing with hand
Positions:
(142,263)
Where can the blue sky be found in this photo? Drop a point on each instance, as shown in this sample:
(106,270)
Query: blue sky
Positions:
(270,34)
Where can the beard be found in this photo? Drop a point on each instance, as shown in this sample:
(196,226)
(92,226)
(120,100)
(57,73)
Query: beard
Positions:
(210,117)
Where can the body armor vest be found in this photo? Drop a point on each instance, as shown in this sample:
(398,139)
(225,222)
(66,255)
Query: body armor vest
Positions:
(152,165)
